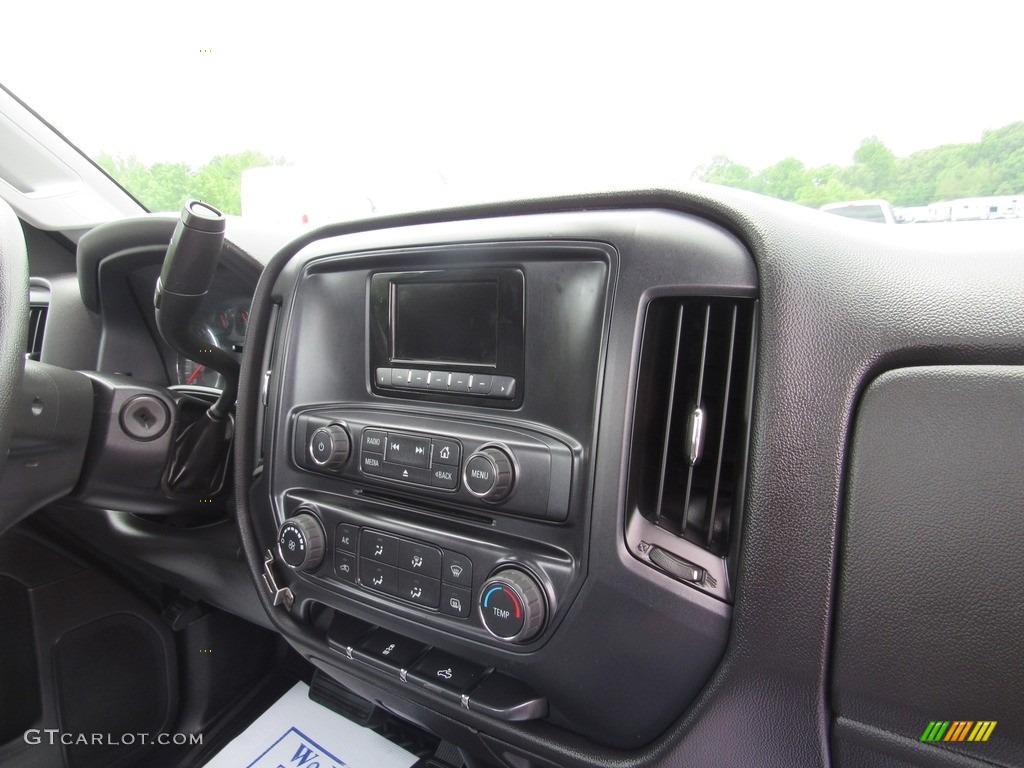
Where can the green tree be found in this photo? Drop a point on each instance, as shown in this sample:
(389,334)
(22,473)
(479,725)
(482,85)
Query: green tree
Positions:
(722,170)
(219,182)
(166,186)
(1012,173)
(828,189)
(873,169)
(961,179)
(786,179)
(992,166)
(160,187)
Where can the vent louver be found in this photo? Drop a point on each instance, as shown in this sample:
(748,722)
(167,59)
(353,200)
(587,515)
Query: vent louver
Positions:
(690,435)
(36,326)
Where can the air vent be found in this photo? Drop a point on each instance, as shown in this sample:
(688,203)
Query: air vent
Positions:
(690,436)
(36,326)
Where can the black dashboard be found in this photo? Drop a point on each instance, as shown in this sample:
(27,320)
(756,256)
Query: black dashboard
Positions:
(623,479)
(512,507)
(701,358)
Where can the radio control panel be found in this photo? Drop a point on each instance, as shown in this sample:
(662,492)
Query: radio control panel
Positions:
(517,472)
(429,461)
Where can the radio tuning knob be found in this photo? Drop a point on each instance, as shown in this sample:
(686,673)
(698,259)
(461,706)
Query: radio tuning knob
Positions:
(512,605)
(301,541)
(330,446)
(489,474)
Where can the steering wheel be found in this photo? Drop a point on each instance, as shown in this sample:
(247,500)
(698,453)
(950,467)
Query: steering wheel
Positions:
(13,328)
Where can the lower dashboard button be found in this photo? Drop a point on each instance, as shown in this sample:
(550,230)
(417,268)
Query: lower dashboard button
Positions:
(345,537)
(480,385)
(420,559)
(456,601)
(345,566)
(379,547)
(457,569)
(378,576)
(372,463)
(503,387)
(383,377)
(345,632)
(373,440)
(418,589)
(411,450)
(386,649)
(400,377)
(416,475)
(437,380)
(459,382)
(418,379)
(445,478)
(447,672)
(445,452)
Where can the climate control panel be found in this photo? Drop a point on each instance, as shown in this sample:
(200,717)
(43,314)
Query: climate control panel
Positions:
(499,593)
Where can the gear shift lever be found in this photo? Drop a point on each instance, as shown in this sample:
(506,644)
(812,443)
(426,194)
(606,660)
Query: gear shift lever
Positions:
(202,448)
(184,281)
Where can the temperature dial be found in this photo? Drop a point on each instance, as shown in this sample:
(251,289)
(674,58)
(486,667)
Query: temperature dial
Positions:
(512,605)
(300,542)
(330,446)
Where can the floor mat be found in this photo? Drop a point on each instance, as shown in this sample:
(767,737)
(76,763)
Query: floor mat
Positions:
(298,733)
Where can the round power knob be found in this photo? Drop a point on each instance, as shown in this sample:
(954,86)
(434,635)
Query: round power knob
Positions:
(300,542)
(512,606)
(489,474)
(330,446)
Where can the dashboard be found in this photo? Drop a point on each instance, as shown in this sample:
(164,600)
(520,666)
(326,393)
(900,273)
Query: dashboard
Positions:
(431,433)
(641,478)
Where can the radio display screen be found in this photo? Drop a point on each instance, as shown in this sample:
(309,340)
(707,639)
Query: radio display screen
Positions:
(445,322)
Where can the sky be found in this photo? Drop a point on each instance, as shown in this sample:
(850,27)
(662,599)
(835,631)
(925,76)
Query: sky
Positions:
(519,93)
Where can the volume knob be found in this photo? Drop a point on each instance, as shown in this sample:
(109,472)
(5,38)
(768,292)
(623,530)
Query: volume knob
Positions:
(330,446)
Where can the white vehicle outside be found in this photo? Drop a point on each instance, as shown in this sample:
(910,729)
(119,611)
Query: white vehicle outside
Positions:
(878,211)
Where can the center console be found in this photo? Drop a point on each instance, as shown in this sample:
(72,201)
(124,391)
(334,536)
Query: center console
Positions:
(429,459)
(438,423)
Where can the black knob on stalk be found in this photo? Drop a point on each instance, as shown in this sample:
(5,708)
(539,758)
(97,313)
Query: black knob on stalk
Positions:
(184,281)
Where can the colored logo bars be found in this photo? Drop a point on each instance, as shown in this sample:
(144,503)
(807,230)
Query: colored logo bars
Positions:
(958,730)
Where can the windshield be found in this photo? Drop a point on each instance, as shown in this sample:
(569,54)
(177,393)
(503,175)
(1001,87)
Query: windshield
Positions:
(300,113)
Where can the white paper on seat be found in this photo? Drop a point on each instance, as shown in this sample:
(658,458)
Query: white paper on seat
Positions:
(298,733)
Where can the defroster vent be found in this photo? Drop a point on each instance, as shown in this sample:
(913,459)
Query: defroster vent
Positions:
(690,436)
